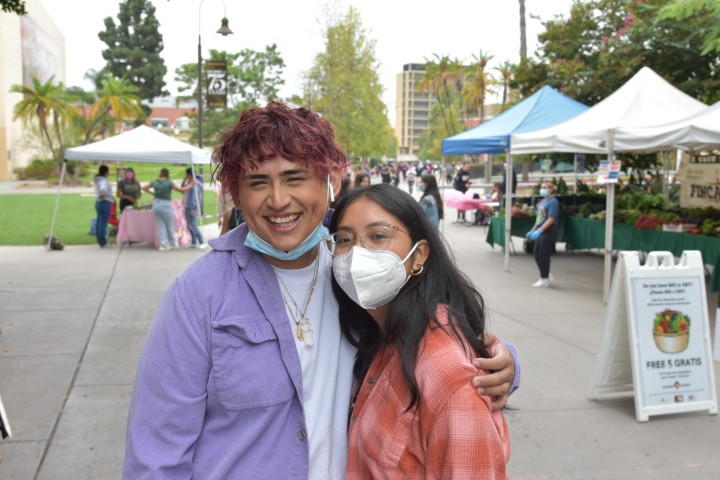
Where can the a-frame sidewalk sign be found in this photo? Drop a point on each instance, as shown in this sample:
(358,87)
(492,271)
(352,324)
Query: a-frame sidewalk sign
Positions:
(656,341)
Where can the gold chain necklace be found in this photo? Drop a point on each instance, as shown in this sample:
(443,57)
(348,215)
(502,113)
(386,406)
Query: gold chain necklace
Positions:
(304,331)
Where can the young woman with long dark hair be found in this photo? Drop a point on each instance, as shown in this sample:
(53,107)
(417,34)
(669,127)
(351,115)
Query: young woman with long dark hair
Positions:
(417,322)
(431,201)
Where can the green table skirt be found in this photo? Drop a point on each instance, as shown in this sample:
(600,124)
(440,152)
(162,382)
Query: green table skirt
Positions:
(584,234)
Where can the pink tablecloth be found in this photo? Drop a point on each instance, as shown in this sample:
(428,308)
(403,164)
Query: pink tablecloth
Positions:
(139,226)
(465,201)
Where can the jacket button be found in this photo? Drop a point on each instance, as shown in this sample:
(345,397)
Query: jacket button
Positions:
(301,434)
(371,380)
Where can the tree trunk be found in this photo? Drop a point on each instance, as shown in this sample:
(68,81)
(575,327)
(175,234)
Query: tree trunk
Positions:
(523,31)
(525,172)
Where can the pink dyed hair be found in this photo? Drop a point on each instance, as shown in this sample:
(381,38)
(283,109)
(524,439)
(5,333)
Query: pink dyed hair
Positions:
(296,134)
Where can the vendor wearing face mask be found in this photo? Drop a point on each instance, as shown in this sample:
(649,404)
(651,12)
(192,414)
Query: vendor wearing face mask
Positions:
(544,232)
(245,372)
(129,190)
(417,323)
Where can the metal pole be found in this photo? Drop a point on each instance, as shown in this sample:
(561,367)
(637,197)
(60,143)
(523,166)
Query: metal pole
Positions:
(195,191)
(508,208)
(224,30)
(442,190)
(199,92)
(609,221)
(57,203)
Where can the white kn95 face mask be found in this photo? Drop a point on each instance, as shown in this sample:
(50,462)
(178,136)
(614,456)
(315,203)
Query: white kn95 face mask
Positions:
(371,278)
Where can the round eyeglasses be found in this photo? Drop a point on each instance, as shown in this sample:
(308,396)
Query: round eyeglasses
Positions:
(376,237)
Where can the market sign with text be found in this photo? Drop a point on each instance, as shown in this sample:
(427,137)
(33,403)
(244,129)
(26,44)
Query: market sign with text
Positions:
(608,171)
(700,182)
(216,83)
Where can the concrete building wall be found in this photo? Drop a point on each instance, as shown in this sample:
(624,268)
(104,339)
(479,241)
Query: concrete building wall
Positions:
(30,46)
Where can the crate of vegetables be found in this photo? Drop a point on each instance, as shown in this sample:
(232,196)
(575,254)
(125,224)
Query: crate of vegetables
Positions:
(678,227)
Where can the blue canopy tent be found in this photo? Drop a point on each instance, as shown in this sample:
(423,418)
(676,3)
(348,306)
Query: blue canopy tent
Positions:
(542,109)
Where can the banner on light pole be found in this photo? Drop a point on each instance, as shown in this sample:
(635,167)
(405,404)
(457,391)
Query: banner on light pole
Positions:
(216,83)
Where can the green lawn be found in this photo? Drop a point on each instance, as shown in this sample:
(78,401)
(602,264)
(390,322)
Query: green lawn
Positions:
(26,218)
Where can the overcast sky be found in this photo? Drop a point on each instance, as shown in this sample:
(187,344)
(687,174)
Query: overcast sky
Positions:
(405,31)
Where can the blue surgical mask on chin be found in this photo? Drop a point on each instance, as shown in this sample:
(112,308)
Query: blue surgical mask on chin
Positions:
(259,245)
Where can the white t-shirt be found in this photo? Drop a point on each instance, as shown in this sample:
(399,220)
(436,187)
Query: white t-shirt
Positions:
(326,368)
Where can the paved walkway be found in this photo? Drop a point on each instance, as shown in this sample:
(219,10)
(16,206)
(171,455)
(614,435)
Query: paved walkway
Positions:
(73,324)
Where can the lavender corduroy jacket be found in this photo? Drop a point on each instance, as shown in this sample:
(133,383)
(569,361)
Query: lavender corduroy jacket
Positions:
(218,387)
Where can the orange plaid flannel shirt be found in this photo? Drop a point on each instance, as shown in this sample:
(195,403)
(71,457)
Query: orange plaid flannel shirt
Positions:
(451,434)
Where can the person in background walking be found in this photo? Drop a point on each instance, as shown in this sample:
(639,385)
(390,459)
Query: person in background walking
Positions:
(385,174)
(544,232)
(431,202)
(162,207)
(395,173)
(103,203)
(129,190)
(462,184)
(410,175)
(192,209)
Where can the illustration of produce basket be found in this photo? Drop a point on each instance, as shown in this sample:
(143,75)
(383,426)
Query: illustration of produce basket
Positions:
(671,331)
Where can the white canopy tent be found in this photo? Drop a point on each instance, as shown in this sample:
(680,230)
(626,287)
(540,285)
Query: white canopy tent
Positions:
(141,144)
(697,132)
(643,101)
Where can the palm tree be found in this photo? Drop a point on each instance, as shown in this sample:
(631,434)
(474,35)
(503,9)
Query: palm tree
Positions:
(117,97)
(45,103)
(505,70)
(479,83)
(439,77)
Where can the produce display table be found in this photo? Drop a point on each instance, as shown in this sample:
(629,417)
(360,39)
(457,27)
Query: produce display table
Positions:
(584,234)
(518,228)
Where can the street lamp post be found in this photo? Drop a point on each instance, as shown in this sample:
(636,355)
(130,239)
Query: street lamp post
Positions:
(224,30)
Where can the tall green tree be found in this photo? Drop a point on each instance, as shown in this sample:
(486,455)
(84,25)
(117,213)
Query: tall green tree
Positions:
(602,43)
(253,79)
(444,78)
(134,48)
(117,98)
(686,9)
(49,105)
(431,139)
(505,70)
(478,82)
(349,92)
(13,6)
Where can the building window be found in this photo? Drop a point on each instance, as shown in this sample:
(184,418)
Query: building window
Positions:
(159,122)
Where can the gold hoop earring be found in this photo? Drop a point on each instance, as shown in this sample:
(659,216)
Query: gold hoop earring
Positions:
(414,273)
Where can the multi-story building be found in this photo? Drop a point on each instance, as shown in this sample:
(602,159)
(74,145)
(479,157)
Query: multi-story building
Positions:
(32,46)
(412,110)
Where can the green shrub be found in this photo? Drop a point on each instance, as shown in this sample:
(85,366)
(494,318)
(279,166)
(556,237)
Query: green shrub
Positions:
(38,170)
